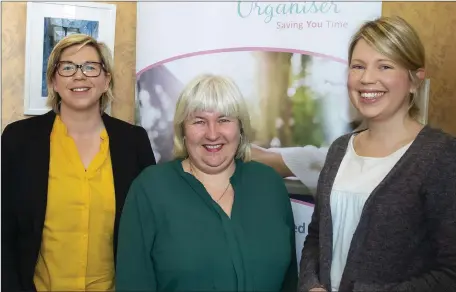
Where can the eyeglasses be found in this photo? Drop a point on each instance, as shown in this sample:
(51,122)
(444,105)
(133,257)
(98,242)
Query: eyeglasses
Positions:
(89,69)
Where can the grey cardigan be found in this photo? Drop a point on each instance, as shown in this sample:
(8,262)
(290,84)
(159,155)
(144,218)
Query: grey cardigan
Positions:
(406,237)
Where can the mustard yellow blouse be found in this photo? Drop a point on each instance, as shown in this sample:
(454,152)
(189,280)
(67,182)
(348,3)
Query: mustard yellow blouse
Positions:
(77,248)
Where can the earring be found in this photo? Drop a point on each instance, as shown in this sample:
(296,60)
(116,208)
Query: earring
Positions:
(411,100)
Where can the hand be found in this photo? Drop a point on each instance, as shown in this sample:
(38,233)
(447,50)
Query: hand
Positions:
(317,290)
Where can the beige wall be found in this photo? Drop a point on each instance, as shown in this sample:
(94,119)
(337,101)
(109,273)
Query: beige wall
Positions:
(13,60)
(433,20)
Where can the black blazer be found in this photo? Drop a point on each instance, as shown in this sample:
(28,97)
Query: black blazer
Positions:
(25,171)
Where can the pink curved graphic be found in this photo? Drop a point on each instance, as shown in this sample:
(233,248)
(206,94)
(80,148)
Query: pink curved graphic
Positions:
(241,49)
(302,203)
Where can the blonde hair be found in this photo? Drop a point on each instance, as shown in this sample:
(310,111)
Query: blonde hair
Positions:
(396,39)
(217,94)
(53,98)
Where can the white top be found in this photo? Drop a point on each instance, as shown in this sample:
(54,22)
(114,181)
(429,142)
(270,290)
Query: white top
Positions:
(304,162)
(356,178)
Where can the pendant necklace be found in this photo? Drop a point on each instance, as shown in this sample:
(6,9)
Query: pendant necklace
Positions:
(194,174)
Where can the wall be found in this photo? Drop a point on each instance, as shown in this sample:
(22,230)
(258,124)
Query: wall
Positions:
(14,15)
(433,21)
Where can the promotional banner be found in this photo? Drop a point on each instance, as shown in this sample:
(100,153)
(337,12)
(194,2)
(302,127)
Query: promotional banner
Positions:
(289,59)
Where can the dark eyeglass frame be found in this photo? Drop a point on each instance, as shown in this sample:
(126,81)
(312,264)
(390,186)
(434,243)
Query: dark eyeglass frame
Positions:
(79,66)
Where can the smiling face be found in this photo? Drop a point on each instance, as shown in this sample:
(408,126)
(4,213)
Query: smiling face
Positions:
(378,87)
(211,140)
(79,92)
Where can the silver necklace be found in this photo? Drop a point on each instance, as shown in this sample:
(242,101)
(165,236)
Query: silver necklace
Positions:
(224,192)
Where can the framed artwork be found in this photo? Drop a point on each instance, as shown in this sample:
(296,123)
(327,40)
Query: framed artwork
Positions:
(47,24)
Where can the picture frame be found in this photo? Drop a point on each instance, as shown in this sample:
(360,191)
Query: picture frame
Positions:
(49,22)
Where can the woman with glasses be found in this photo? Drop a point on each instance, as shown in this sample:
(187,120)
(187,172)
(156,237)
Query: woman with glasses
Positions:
(65,176)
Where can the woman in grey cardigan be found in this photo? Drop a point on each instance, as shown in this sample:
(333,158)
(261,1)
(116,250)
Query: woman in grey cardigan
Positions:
(385,214)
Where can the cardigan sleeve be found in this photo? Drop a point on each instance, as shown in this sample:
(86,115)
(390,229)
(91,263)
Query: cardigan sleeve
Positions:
(10,259)
(440,207)
(134,268)
(309,265)
(310,259)
(439,195)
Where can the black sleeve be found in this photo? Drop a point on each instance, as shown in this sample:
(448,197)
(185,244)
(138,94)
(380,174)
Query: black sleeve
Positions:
(144,149)
(10,259)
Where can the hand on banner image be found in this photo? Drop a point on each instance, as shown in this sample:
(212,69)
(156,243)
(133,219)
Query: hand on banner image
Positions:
(304,163)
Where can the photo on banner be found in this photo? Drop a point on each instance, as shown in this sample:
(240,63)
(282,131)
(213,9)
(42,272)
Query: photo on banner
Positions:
(294,98)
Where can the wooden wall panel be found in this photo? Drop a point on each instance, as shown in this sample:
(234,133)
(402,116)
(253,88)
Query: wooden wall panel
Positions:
(125,62)
(13,61)
(434,22)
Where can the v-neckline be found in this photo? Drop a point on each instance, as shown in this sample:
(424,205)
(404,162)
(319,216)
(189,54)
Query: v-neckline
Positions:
(70,147)
(201,191)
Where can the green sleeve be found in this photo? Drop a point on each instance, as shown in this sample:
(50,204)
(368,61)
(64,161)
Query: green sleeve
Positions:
(290,282)
(134,267)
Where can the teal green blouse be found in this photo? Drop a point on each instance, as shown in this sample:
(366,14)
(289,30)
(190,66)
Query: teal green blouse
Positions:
(174,237)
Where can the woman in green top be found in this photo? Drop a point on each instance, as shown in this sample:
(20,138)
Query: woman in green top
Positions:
(211,219)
